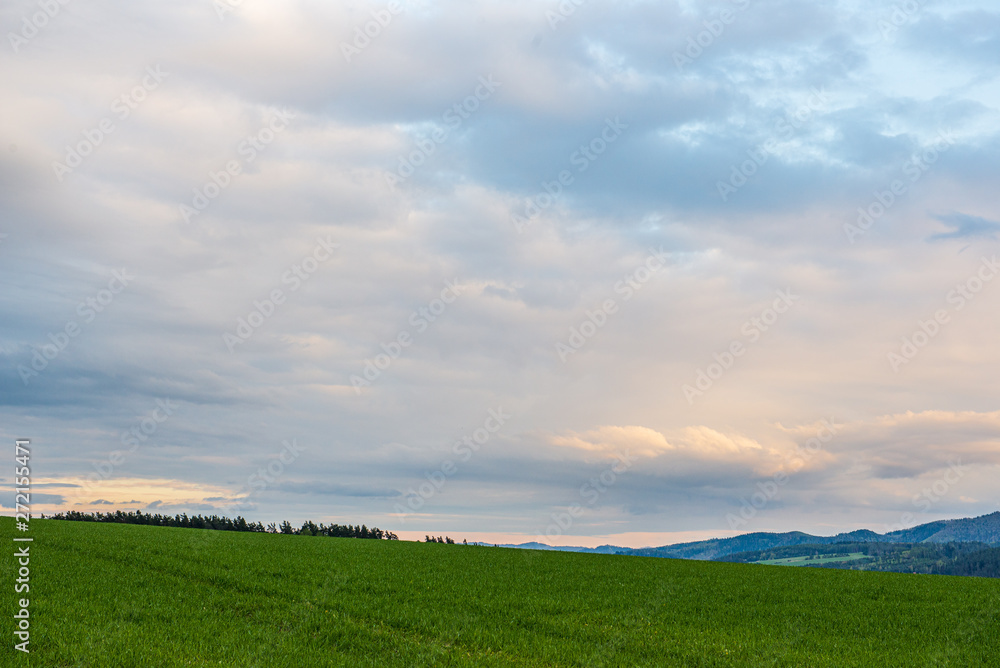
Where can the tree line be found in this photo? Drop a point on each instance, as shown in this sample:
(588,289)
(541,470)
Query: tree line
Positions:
(954,558)
(218,523)
(983,564)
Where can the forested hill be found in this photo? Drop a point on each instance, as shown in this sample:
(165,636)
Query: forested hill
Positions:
(984,529)
(750,542)
(935,558)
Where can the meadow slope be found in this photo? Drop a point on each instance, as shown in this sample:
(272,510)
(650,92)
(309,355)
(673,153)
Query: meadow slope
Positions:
(127,595)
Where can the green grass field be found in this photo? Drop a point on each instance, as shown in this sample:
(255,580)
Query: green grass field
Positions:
(806,561)
(126,595)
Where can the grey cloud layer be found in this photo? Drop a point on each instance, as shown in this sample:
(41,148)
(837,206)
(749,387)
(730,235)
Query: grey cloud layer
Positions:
(884,98)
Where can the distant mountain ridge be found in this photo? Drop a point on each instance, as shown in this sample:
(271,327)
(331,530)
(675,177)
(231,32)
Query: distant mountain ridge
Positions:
(966,559)
(716,548)
(603,549)
(983,529)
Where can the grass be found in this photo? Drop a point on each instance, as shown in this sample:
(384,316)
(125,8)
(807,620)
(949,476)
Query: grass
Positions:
(126,595)
(812,560)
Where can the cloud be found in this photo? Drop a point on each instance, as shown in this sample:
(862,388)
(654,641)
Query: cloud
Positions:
(966,227)
(806,109)
(711,444)
(39,499)
(610,439)
(698,441)
(692,449)
(911,444)
(329,489)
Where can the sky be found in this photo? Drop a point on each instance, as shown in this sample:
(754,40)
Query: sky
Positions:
(576,272)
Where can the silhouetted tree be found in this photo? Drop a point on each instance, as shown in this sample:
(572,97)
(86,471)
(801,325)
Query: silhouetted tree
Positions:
(215,522)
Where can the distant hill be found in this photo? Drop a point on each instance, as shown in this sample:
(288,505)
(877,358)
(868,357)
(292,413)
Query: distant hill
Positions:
(751,542)
(603,549)
(984,529)
(936,558)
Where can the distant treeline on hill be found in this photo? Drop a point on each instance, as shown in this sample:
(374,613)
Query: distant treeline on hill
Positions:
(969,559)
(983,564)
(226,524)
